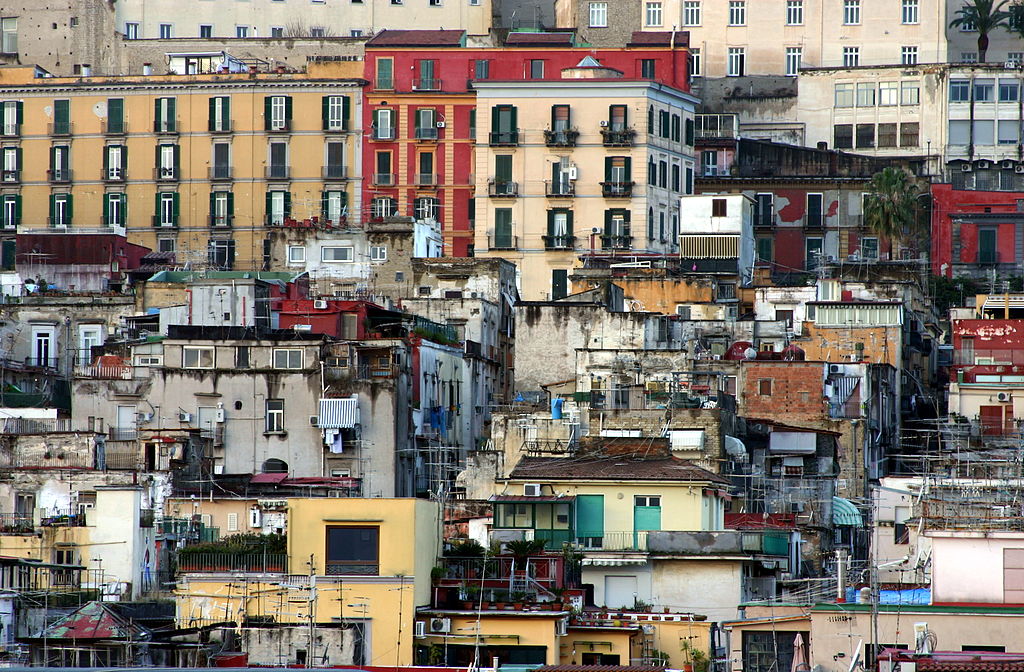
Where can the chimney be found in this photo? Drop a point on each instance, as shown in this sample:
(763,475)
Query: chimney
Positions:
(147,69)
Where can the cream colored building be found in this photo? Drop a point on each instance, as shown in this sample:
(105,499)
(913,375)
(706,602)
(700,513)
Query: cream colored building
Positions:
(571,166)
(146,19)
(198,165)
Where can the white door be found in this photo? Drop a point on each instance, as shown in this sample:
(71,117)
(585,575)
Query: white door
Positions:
(124,430)
(620,591)
(207,420)
(89,336)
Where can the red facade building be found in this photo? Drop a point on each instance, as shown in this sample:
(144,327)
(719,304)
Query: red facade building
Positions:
(974,232)
(420,109)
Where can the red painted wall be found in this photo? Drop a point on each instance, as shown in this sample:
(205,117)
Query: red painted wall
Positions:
(947,202)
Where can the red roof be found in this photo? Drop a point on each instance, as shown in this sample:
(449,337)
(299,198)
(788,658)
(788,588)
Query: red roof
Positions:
(417,38)
(612,467)
(927,665)
(539,39)
(659,39)
(268,478)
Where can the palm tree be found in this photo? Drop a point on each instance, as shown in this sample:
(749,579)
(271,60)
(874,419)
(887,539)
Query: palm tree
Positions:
(983,16)
(891,207)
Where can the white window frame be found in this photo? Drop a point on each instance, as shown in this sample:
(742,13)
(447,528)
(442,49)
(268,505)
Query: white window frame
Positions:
(296,254)
(851,57)
(9,35)
(691,13)
(131,30)
(888,93)
(278,107)
(201,356)
(241,32)
(737,12)
(167,162)
(335,208)
(794,12)
(324,254)
(381,130)
(273,416)
(166,31)
(910,90)
(115,209)
(60,210)
(277,214)
(908,55)
(695,62)
(598,14)
(166,208)
(863,243)
(736,62)
(910,12)
(793,57)
(335,113)
(378,253)
(287,358)
(851,12)
(653,13)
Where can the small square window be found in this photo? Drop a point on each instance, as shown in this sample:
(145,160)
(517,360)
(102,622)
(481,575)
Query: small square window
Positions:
(287,358)
(195,357)
(296,254)
(378,253)
(764,387)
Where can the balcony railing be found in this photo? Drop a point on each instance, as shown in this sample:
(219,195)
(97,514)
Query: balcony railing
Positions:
(221,221)
(230,562)
(622,137)
(104,371)
(279,126)
(61,518)
(504,138)
(502,188)
(122,460)
(13,523)
(277,172)
(619,242)
(119,127)
(424,84)
(59,175)
(335,172)
(566,138)
(617,189)
(43,362)
(614,541)
(426,180)
(220,172)
(384,179)
(503,242)
(12,176)
(988,257)
(224,126)
(129,433)
(10,129)
(814,221)
(383,134)
(60,128)
(562,242)
(385,83)
(113,174)
(427,133)
(165,126)
(165,173)
(369,372)
(560,188)
(165,222)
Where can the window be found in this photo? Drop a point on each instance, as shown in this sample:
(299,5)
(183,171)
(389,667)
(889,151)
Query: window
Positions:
(652,14)
(1009,91)
(277,113)
(984,90)
(241,31)
(865,94)
(352,550)
(335,112)
(865,136)
(764,249)
(737,63)
(908,55)
(278,207)
(61,117)
(166,209)
(196,357)
(676,178)
(910,134)
(221,168)
(383,206)
(426,124)
(481,69)
(647,68)
(968,57)
(131,31)
(737,12)
(537,68)
(222,208)
(336,254)
(426,79)
(287,358)
(427,208)
(764,387)
(842,136)
(166,31)
(166,245)
(503,126)
(910,93)
(385,71)
(647,500)
(383,124)
(967,27)
(333,205)
(695,69)
(1015,57)
(793,56)
(11,164)
(909,13)
(844,95)
(12,117)
(815,211)
(959,91)
(165,119)
(220,114)
(869,248)
(114,207)
(10,211)
(378,253)
(794,12)
(274,415)
(167,162)
(691,13)
(887,135)
(888,93)
(296,254)
(719,207)
(383,175)
(851,57)
(205,31)
(599,15)
(1008,132)
(9,35)
(277,31)
(851,12)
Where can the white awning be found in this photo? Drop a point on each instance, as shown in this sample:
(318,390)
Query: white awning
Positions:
(686,439)
(339,413)
(793,442)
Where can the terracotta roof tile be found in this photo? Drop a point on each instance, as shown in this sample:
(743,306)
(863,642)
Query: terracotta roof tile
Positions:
(658,39)
(614,467)
(417,38)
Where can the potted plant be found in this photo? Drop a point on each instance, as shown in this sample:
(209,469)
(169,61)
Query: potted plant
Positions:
(697,660)
(522,549)
(517,600)
(472,594)
(559,594)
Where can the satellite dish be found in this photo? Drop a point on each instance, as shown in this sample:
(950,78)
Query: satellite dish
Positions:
(750,354)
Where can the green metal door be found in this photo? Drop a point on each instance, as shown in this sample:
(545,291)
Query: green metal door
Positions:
(590,519)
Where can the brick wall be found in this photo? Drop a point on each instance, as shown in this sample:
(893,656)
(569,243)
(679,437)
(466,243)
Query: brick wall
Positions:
(783,391)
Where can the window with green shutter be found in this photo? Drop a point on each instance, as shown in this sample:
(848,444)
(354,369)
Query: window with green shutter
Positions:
(333,206)
(220,114)
(115,209)
(61,210)
(167,209)
(165,119)
(11,214)
(689,132)
(503,239)
(115,116)
(277,113)
(335,113)
(13,116)
(504,129)
(8,250)
(222,208)
(61,117)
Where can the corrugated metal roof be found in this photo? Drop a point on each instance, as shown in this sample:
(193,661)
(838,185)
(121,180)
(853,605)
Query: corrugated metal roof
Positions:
(94,620)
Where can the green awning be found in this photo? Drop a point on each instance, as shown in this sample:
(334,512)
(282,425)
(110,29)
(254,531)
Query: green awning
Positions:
(845,513)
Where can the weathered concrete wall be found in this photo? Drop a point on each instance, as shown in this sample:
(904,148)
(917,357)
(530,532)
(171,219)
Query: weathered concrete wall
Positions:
(277,646)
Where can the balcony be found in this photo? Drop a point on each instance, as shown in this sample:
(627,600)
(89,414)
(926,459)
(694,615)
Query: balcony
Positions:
(277,172)
(560,188)
(220,173)
(61,518)
(503,242)
(425,84)
(221,221)
(278,126)
(617,189)
(122,460)
(814,221)
(16,523)
(504,138)
(987,257)
(105,371)
(115,174)
(165,174)
(373,371)
(502,189)
(727,542)
(231,562)
(60,128)
(384,179)
(59,175)
(716,126)
(119,127)
(384,84)
(10,130)
(566,138)
(565,242)
(165,221)
(383,134)
(427,133)
(426,180)
(617,137)
(166,126)
(224,126)
(619,242)
(334,173)
(129,433)
(11,176)
(543,572)
(10,223)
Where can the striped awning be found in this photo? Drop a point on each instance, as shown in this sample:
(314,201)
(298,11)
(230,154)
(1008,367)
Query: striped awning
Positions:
(709,246)
(997,301)
(843,387)
(339,413)
(845,513)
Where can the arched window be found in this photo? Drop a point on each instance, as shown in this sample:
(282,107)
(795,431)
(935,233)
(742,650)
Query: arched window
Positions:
(274,466)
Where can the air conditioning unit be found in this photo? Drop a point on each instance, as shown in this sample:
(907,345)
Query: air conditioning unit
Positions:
(983,164)
(965,167)
(184,417)
(440,124)
(419,629)
(1007,164)
(531,489)
(604,124)
(314,420)
(835,368)
(1018,169)
(143,418)
(562,627)
(320,304)
(1004,397)
(440,625)
(219,417)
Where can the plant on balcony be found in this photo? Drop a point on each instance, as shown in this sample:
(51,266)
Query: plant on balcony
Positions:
(697,660)
(521,549)
(464,548)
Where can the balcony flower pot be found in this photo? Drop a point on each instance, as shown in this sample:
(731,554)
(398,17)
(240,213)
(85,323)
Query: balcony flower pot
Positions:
(467,605)
(501,605)
(517,606)
(485,605)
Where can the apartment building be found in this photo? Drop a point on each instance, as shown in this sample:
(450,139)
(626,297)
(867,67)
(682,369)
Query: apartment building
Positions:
(740,37)
(593,162)
(196,165)
(166,19)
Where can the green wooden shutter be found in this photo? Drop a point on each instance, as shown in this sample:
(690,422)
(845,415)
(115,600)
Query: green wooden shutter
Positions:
(115,115)
(124,160)
(323,203)
(21,112)
(607,169)
(172,118)
(106,208)
(18,161)
(589,516)
(53,159)
(17,207)
(177,161)
(225,111)
(268,205)
(556,176)
(514,118)
(106,160)
(211,124)
(689,131)
(53,209)
(70,208)
(325,111)
(628,169)
(495,116)
(174,205)
(231,204)
(156,209)
(213,204)
(287,204)
(124,208)
(158,114)
(156,160)
(568,223)
(268,106)
(503,168)
(8,255)
(472,124)
(551,222)
(346,111)
(287,111)
(646,518)
(608,222)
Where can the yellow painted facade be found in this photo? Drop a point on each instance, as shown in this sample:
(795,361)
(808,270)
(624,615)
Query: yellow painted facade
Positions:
(384,601)
(650,290)
(38,130)
(881,345)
